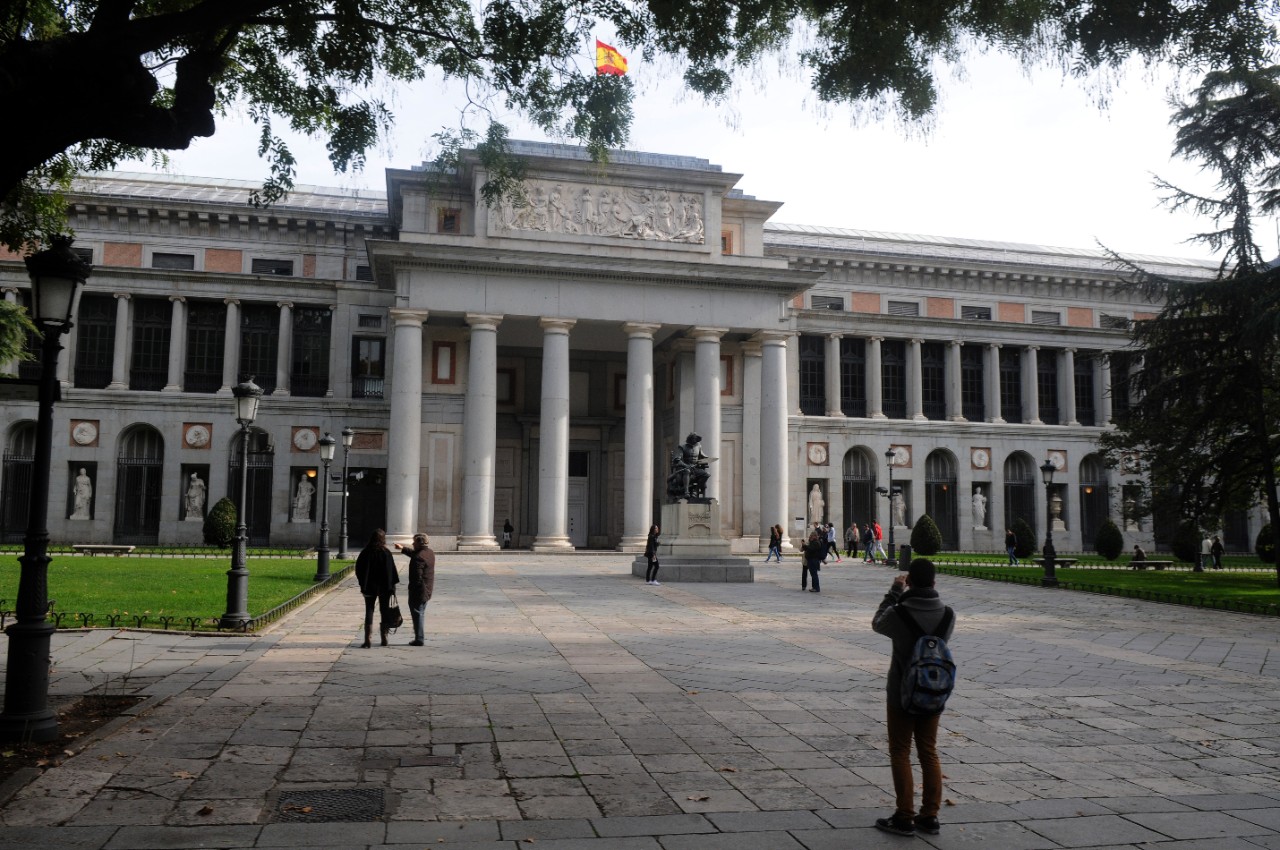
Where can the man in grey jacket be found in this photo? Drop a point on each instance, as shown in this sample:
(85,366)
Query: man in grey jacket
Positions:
(914,591)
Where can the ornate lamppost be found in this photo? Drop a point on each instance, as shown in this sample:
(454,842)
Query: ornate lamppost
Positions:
(247,396)
(1050,577)
(327,445)
(348,437)
(891,457)
(56,273)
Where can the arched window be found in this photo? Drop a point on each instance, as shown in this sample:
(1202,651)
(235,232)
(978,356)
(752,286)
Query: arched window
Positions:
(1020,490)
(859,487)
(139,476)
(15,487)
(1095,498)
(940,495)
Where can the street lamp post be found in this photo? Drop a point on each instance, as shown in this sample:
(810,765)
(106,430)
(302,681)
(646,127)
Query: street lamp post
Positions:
(891,458)
(1050,577)
(348,437)
(247,395)
(327,444)
(55,273)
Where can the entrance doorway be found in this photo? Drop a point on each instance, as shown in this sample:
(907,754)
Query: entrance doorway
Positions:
(577,514)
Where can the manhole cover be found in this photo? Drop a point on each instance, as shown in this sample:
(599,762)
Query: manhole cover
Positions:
(430,761)
(343,805)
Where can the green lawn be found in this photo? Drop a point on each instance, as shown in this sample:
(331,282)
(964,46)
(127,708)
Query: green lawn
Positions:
(156,587)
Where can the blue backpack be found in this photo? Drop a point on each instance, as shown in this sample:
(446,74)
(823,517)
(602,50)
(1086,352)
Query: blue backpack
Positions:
(930,675)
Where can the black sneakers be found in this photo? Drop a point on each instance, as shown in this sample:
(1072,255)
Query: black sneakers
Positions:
(928,824)
(896,825)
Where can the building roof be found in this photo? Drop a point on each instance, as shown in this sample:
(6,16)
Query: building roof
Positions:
(232,193)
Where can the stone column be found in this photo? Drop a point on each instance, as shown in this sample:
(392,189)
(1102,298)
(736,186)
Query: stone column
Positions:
(177,344)
(706,405)
(1102,388)
(1030,385)
(752,525)
(553,447)
(231,348)
(955,398)
(915,382)
(284,348)
(11,297)
(875,379)
(774,475)
(684,394)
(480,435)
(833,376)
(404,439)
(1067,387)
(120,351)
(338,355)
(994,414)
(793,379)
(637,472)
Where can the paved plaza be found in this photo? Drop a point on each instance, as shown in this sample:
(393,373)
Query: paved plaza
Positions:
(562,704)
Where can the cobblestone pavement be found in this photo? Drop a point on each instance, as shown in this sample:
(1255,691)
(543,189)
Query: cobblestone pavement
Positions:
(563,702)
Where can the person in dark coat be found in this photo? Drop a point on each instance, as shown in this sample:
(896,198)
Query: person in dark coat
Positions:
(1216,549)
(422,583)
(651,556)
(814,550)
(376,572)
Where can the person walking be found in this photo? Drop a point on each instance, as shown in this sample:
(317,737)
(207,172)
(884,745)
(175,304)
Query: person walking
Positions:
(868,543)
(1011,546)
(1206,552)
(912,597)
(832,547)
(377,575)
(851,541)
(814,549)
(879,532)
(422,583)
(775,544)
(651,556)
(507,529)
(1216,549)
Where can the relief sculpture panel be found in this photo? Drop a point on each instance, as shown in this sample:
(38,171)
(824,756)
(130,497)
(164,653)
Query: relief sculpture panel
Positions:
(625,212)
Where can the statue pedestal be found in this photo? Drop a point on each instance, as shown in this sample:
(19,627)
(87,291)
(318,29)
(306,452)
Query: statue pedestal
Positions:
(693,548)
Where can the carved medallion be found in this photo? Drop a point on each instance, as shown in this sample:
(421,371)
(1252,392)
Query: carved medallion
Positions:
(84,432)
(817,454)
(196,435)
(304,439)
(1057,459)
(980,458)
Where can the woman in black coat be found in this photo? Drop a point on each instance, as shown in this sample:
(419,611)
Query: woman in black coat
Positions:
(651,556)
(377,575)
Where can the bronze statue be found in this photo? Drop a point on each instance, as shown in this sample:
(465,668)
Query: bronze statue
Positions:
(689,470)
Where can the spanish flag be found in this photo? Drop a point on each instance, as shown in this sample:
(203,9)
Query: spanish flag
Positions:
(609,60)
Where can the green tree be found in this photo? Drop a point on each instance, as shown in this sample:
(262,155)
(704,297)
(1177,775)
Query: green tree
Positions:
(1027,544)
(1186,542)
(1109,542)
(926,539)
(1264,546)
(220,524)
(1209,377)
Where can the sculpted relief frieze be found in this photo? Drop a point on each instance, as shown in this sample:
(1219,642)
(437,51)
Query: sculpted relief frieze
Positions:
(651,214)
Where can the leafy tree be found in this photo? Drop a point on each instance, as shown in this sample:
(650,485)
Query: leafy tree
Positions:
(1109,542)
(1186,542)
(1265,545)
(220,524)
(926,539)
(1209,381)
(14,327)
(1027,545)
(164,71)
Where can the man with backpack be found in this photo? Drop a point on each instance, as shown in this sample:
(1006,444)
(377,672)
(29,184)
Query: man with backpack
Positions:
(921,677)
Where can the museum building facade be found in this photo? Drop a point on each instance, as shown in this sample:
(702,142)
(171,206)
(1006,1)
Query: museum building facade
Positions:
(538,361)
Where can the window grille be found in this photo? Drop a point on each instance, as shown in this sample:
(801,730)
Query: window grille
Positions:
(95,340)
(176,262)
(813,375)
(206,346)
(261,266)
(826,302)
(1045,317)
(152,325)
(975,313)
(904,308)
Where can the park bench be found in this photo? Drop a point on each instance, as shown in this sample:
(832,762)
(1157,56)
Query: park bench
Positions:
(1064,563)
(102,548)
(1155,565)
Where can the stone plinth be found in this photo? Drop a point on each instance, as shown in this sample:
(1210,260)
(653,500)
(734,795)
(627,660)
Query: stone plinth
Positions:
(693,548)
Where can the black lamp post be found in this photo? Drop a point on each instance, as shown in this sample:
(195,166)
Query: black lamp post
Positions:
(348,437)
(327,444)
(56,273)
(1050,578)
(891,458)
(247,395)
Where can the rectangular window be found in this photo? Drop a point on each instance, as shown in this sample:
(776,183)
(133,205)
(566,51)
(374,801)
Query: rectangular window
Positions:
(726,241)
(1115,323)
(1011,384)
(977,314)
(1085,413)
(152,325)
(368,365)
(726,374)
(443,363)
(364,273)
(176,262)
(95,340)
(933,381)
(973,386)
(853,377)
(309,360)
(259,343)
(893,382)
(506,386)
(206,346)
(1121,382)
(1047,387)
(813,375)
(1046,317)
(904,308)
(85,254)
(260,266)
(449,220)
(369,320)
(826,302)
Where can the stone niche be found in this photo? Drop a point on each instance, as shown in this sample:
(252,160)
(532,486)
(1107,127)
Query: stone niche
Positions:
(692,548)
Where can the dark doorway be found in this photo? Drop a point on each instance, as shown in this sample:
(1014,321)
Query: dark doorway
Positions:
(139,472)
(940,496)
(1095,499)
(257,512)
(15,487)
(366,505)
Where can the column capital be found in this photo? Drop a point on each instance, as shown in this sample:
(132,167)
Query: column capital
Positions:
(876,338)
(835,335)
(955,342)
(551,324)
(123,296)
(772,337)
(227,301)
(401,316)
(178,299)
(288,304)
(916,340)
(9,290)
(707,334)
(1031,347)
(641,329)
(995,345)
(752,347)
(1069,350)
(484,321)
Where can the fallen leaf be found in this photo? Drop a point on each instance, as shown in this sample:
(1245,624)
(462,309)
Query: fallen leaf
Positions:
(7,754)
(727,769)
(692,693)
(698,798)
(205,810)
(948,802)
(41,762)
(527,840)
(183,774)
(69,752)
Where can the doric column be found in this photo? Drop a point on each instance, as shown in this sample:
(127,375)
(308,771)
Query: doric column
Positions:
(480,435)
(177,344)
(120,352)
(875,379)
(955,401)
(11,297)
(793,379)
(706,405)
(553,448)
(915,383)
(404,440)
(993,384)
(284,349)
(774,475)
(752,525)
(833,375)
(1067,387)
(1102,388)
(637,472)
(231,347)
(1031,385)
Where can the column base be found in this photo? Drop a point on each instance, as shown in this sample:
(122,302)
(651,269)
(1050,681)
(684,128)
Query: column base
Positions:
(117,385)
(877,416)
(478,543)
(558,543)
(999,420)
(171,388)
(636,543)
(956,418)
(280,391)
(835,414)
(919,417)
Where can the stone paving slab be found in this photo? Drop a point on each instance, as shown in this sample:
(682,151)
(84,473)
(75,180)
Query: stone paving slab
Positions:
(559,701)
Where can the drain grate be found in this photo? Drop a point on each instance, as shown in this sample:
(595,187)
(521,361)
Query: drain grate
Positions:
(431,761)
(345,805)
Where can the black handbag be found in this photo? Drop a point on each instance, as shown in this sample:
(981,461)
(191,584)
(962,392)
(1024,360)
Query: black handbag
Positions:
(394,618)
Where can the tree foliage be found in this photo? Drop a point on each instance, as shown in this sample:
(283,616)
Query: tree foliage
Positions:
(1264,546)
(220,524)
(1027,544)
(926,539)
(1108,541)
(162,72)
(1186,542)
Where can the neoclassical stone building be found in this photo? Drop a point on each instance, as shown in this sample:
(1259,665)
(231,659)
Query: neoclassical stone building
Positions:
(538,361)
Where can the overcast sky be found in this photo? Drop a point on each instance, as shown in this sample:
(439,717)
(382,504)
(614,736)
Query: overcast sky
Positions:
(1008,158)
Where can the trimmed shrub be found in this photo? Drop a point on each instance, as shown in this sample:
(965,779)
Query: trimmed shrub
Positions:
(1109,541)
(1027,545)
(1186,542)
(1265,545)
(220,524)
(926,539)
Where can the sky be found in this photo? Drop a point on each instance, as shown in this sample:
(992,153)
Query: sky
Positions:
(1008,156)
